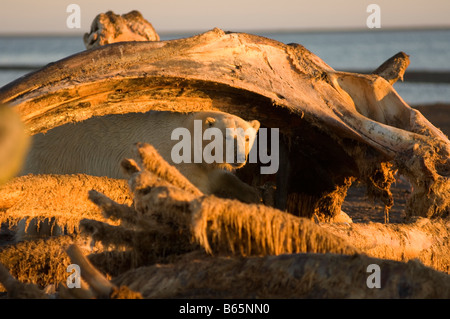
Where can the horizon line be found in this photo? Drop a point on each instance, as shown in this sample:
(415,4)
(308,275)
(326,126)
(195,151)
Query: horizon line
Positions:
(245,30)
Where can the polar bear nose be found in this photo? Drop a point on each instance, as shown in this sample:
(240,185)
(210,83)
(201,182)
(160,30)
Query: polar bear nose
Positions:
(236,149)
(240,154)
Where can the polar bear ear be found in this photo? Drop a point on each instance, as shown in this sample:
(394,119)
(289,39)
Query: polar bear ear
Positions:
(255,124)
(210,121)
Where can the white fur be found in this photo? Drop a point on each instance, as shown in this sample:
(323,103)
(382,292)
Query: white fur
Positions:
(97,146)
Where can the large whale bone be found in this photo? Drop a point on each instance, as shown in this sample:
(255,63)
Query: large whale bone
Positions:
(335,127)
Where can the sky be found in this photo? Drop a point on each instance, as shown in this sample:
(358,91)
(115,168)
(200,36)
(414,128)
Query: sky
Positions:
(49,16)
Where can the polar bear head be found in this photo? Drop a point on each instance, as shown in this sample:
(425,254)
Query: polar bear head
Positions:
(226,139)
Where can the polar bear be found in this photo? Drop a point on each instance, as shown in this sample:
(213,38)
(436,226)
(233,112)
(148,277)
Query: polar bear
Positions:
(97,145)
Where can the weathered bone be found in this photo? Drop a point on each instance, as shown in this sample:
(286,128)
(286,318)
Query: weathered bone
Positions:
(92,276)
(42,205)
(151,160)
(110,28)
(100,286)
(40,262)
(229,226)
(17,289)
(286,276)
(394,68)
(357,120)
(295,275)
(422,240)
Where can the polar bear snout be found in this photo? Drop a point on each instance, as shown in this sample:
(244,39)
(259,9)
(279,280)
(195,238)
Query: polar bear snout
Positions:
(238,145)
(239,153)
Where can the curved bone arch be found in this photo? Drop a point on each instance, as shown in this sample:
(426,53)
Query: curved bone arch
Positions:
(336,127)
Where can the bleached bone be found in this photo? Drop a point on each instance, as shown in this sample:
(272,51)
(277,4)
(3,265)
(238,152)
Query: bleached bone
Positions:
(92,276)
(421,240)
(336,127)
(100,286)
(17,289)
(110,28)
(43,205)
(231,227)
(394,68)
(295,275)
(286,276)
